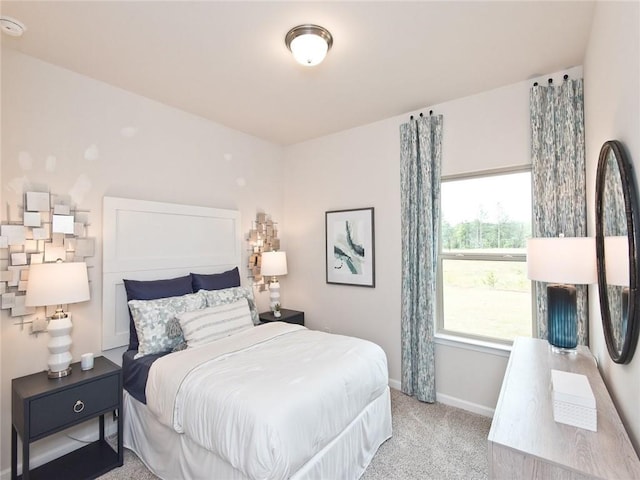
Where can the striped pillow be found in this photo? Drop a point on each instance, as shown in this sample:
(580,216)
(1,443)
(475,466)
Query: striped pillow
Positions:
(213,323)
(228,295)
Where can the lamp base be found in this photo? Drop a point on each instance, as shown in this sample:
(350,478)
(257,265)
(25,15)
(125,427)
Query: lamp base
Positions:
(60,374)
(274,294)
(59,345)
(562,327)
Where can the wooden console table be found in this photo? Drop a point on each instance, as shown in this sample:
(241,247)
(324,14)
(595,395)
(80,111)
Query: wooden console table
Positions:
(525,441)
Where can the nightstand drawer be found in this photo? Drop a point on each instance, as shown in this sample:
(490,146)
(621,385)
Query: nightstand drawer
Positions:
(73,405)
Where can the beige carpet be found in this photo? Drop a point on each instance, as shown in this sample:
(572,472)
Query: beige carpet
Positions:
(430,441)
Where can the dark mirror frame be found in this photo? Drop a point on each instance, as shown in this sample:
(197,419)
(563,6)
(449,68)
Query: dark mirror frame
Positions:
(624,355)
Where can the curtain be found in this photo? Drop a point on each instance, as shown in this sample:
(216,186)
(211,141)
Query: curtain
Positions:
(420,158)
(558,176)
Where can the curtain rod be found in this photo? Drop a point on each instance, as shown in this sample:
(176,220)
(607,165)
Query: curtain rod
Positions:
(421,114)
(565,77)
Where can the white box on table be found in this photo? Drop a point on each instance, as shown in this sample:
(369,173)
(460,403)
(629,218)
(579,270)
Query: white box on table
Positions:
(573,400)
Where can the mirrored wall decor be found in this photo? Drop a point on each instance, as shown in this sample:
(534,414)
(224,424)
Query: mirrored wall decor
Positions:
(48,227)
(263,237)
(616,251)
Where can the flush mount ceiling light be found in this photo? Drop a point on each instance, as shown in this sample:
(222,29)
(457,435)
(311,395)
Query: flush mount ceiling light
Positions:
(308,43)
(11,26)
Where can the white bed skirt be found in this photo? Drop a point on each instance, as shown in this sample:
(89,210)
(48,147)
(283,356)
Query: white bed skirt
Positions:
(173,456)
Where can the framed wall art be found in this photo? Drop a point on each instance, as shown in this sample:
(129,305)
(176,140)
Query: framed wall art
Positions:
(350,250)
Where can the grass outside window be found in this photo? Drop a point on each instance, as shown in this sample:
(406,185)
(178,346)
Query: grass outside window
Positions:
(484,298)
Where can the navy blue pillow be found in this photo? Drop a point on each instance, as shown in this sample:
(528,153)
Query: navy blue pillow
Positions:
(216,281)
(151,290)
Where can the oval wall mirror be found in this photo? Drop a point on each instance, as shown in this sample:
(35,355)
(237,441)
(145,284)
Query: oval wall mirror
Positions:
(616,254)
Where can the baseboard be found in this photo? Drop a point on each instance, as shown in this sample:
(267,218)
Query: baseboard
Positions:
(465,405)
(395,384)
(453,401)
(65,444)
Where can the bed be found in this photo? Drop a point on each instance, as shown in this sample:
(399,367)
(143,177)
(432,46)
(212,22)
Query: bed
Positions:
(269,401)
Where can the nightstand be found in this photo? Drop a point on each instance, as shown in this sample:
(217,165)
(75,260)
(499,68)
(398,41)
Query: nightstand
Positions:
(289,316)
(41,406)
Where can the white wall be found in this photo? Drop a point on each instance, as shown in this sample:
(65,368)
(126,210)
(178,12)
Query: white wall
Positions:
(174,157)
(361,168)
(2,383)
(612,112)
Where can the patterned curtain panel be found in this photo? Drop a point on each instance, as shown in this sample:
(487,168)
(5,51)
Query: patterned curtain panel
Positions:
(420,158)
(559,185)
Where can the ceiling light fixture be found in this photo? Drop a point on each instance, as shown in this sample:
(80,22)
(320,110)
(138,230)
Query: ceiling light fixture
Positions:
(308,43)
(12,27)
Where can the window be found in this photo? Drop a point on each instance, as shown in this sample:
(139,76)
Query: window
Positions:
(484,291)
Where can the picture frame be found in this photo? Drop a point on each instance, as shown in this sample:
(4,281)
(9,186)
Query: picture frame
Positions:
(350,247)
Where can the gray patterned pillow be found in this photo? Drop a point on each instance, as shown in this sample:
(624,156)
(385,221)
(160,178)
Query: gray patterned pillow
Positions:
(151,318)
(230,295)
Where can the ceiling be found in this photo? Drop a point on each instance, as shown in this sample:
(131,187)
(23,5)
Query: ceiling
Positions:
(227,62)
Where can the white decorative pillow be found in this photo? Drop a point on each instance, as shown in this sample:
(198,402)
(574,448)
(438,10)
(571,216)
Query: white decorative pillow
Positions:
(230,295)
(213,323)
(151,318)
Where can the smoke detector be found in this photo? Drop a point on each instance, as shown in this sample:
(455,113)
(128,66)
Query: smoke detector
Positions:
(12,27)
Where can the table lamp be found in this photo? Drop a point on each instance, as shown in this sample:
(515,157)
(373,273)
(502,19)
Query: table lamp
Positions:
(566,262)
(274,264)
(58,284)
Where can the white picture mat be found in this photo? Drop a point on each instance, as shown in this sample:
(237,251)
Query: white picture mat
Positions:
(144,240)
(340,271)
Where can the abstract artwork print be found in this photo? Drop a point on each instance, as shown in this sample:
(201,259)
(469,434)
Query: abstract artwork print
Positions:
(350,247)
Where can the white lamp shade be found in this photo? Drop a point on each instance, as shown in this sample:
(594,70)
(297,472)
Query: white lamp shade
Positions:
(273,264)
(57,284)
(569,260)
(309,49)
(616,254)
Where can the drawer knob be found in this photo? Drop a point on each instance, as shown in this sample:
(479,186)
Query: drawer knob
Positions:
(79,406)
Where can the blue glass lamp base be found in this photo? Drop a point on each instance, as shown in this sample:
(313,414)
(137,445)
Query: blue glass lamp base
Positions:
(562,323)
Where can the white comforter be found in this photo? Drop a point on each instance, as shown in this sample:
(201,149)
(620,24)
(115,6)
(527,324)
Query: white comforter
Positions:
(267,399)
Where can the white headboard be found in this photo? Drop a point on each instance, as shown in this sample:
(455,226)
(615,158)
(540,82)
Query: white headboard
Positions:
(145,240)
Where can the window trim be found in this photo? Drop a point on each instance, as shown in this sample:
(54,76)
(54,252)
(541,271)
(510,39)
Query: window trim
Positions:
(440,331)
